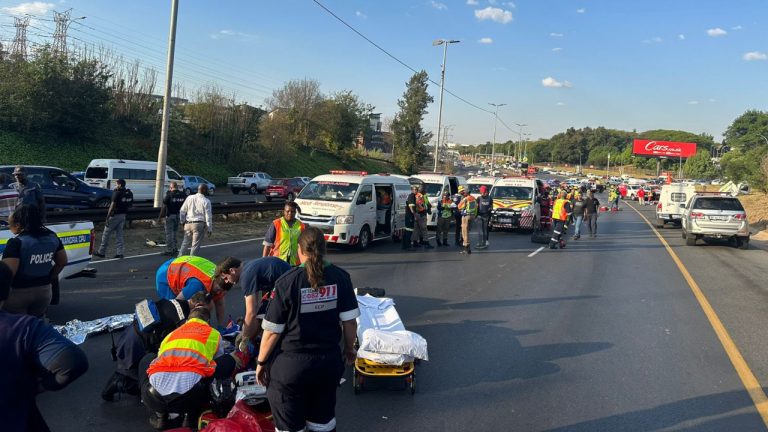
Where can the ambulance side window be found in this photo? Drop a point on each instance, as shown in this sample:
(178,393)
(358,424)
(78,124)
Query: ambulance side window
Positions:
(365,195)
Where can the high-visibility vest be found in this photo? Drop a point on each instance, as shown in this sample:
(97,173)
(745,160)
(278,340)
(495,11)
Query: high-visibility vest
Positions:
(189,348)
(286,245)
(185,267)
(558,211)
(468,206)
(447,212)
(420,205)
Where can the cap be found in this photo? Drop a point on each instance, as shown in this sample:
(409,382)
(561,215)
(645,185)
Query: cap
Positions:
(462,189)
(19,170)
(483,189)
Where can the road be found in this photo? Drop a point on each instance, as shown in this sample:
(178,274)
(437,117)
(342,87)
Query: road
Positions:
(604,335)
(223,195)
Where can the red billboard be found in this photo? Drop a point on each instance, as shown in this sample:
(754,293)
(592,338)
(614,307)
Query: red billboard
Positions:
(663,148)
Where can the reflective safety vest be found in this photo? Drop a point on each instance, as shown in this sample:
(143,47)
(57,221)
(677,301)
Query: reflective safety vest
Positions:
(468,206)
(558,211)
(189,348)
(185,267)
(447,212)
(286,246)
(420,206)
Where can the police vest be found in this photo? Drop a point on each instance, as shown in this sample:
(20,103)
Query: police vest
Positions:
(36,258)
(447,210)
(559,212)
(185,267)
(484,205)
(175,201)
(286,246)
(189,348)
(468,206)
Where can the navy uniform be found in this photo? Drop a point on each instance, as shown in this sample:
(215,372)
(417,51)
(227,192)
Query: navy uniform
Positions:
(410,219)
(122,200)
(172,201)
(306,370)
(31,284)
(457,218)
(484,210)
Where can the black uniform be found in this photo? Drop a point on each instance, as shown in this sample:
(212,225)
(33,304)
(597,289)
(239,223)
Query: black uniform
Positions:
(36,257)
(484,209)
(123,199)
(410,220)
(173,201)
(306,370)
(457,219)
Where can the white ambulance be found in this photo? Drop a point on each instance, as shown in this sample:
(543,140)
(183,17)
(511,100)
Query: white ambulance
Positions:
(671,198)
(516,203)
(354,208)
(475,183)
(434,185)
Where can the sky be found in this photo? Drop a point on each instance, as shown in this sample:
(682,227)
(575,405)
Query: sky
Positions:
(692,65)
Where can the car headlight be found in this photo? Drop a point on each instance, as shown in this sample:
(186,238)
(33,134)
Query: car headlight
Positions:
(342,220)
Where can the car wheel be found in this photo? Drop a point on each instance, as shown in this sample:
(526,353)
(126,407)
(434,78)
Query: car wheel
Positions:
(690,240)
(235,191)
(365,238)
(103,203)
(290,197)
(253,190)
(659,223)
(683,234)
(742,243)
(269,199)
(188,191)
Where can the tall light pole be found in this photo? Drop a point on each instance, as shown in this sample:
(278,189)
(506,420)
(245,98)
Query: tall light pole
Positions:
(162,152)
(444,43)
(495,121)
(519,155)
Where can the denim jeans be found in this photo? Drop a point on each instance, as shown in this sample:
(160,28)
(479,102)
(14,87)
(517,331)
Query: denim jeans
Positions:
(577,232)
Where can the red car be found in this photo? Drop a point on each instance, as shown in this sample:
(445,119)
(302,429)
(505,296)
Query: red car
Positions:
(286,188)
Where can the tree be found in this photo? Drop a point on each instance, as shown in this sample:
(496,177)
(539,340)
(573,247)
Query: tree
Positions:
(700,166)
(746,130)
(298,101)
(341,118)
(409,137)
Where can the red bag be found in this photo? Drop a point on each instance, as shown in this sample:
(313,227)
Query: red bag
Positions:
(242,418)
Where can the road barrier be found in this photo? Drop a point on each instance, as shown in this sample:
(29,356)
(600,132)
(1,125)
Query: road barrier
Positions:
(143,213)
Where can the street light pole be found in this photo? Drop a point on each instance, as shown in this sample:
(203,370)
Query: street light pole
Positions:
(519,155)
(445,44)
(162,152)
(495,121)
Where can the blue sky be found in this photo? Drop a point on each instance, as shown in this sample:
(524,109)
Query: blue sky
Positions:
(692,65)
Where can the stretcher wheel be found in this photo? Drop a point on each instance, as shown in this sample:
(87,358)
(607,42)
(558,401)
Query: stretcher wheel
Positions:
(412,382)
(357,381)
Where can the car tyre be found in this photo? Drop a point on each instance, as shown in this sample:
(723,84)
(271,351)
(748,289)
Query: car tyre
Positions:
(365,238)
(690,240)
(659,223)
(253,190)
(742,243)
(235,191)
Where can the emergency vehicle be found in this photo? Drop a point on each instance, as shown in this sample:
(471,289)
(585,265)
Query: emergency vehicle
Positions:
(671,199)
(516,203)
(355,208)
(475,182)
(434,185)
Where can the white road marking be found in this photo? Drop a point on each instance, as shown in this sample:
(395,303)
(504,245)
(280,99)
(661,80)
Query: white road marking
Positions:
(536,251)
(158,253)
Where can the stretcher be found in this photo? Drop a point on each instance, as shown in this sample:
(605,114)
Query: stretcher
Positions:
(385,347)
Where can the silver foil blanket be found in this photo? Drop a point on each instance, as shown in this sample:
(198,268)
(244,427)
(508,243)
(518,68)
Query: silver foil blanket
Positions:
(77,330)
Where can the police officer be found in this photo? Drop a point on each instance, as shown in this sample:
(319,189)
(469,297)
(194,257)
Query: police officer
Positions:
(410,218)
(172,203)
(29,193)
(303,328)
(484,209)
(122,200)
(36,256)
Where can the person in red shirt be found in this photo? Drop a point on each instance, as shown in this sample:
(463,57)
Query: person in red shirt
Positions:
(641,196)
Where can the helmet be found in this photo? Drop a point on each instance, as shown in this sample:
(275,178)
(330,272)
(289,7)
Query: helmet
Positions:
(462,189)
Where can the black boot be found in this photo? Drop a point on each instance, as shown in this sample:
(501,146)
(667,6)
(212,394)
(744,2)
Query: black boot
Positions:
(445,242)
(117,384)
(439,243)
(426,244)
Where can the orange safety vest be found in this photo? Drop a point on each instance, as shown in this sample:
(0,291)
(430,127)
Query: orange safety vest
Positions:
(185,267)
(558,211)
(286,246)
(189,348)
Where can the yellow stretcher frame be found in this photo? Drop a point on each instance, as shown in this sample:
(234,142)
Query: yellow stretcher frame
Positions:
(367,368)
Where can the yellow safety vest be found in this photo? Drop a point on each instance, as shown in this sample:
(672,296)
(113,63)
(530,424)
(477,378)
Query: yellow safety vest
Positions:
(286,245)
(189,348)
(558,211)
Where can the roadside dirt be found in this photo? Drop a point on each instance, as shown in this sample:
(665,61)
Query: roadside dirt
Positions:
(226,228)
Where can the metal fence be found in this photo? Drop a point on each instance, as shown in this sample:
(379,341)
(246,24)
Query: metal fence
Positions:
(143,213)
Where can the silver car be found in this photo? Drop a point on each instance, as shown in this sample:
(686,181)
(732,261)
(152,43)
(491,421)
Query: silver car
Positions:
(715,216)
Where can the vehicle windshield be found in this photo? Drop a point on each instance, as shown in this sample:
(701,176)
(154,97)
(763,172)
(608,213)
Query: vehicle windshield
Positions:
(96,173)
(277,182)
(433,189)
(712,203)
(329,191)
(173,175)
(475,188)
(512,192)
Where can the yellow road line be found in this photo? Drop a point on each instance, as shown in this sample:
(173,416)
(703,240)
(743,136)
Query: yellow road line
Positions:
(748,378)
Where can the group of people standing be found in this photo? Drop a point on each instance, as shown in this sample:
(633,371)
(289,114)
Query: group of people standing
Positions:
(571,207)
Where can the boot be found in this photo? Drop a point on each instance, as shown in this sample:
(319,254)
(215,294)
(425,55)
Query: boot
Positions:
(159,421)
(119,383)
(445,242)
(439,242)
(426,244)
(562,244)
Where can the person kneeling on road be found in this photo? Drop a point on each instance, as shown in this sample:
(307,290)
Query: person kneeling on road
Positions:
(153,322)
(177,379)
(561,211)
(180,278)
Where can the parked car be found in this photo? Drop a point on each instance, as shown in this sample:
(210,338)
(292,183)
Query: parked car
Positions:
(80,175)
(62,190)
(285,188)
(715,216)
(306,180)
(632,191)
(253,182)
(191,184)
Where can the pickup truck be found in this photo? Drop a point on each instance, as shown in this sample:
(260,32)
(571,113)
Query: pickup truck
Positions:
(253,182)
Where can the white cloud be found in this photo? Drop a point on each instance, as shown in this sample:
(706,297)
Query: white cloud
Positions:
(361,15)
(581,10)
(493,2)
(232,34)
(558,49)
(438,5)
(737,28)
(755,55)
(711,100)
(693,102)
(655,40)
(560,104)
(681,36)
(553,83)
(485,40)
(510,5)
(715,32)
(494,14)
(556,34)
(33,8)
(472,2)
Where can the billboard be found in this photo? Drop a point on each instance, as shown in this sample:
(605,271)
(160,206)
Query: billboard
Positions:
(670,149)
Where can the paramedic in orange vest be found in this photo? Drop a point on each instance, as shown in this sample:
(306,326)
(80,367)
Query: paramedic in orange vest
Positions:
(178,377)
(282,237)
(180,278)
(561,211)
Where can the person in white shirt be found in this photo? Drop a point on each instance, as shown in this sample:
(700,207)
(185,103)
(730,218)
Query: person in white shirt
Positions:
(197,218)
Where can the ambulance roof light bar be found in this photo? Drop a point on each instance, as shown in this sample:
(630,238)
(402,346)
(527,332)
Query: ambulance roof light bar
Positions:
(345,172)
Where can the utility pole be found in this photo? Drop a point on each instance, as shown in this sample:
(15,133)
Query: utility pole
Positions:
(495,121)
(63,21)
(519,153)
(162,153)
(445,44)
(609,166)
(19,45)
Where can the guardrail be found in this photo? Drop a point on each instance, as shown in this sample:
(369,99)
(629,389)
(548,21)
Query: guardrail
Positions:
(142,213)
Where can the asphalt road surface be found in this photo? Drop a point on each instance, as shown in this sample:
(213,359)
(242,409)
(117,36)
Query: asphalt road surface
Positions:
(605,335)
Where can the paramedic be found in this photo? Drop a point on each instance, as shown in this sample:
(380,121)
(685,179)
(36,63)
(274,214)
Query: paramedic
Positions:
(444,218)
(302,331)
(424,208)
(560,214)
(180,278)
(282,235)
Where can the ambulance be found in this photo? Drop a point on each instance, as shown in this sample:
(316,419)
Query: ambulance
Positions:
(476,182)
(516,203)
(671,200)
(434,185)
(354,208)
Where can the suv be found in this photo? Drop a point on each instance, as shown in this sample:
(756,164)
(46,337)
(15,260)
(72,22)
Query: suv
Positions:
(61,189)
(287,188)
(715,216)
(253,182)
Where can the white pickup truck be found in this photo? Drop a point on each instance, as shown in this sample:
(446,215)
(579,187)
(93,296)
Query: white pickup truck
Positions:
(253,182)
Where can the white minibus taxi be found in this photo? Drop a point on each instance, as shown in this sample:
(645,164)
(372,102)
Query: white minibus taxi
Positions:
(139,176)
(434,185)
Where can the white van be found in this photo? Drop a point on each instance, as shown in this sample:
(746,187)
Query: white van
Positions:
(139,176)
(475,182)
(516,203)
(354,208)
(434,185)
(671,198)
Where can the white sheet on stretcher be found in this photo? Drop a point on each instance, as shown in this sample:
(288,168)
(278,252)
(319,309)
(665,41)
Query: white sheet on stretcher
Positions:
(382,335)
